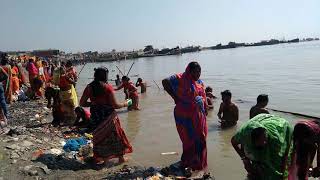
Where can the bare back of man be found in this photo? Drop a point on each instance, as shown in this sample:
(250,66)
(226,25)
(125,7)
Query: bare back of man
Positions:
(255,110)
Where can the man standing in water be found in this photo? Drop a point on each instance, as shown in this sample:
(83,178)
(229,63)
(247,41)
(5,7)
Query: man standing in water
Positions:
(118,80)
(228,111)
(260,107)
(264,144)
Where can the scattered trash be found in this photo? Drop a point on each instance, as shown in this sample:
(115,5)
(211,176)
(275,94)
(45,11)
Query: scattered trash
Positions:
(55,151)
(169,153)
(37,116)
(89,136)
(40,149)
(86,151)
(37,154)
(13,147)
(74,144)
(62,143)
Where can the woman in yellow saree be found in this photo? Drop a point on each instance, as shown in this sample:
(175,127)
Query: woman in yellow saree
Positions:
(68,96)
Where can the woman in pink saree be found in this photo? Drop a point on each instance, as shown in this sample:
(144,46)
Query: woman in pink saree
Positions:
(306,137)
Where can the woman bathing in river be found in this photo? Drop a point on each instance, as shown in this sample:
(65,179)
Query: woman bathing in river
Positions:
(132,92)
(142,84)
(109,139)
(187,91)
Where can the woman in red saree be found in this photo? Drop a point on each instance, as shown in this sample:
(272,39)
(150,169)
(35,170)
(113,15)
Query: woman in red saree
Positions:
(132,91)
(33,72)
(46,72)
(7,84)
(22,74)
(306,137)
(15,80)
(109,139)
(187,90)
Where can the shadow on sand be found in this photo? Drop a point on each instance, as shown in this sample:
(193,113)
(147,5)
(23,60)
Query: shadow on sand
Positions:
(58,162)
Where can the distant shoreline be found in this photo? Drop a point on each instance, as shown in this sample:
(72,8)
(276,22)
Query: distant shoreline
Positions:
(230,45)
(148,51)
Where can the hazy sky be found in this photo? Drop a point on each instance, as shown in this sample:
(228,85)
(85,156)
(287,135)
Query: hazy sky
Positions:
(80,25)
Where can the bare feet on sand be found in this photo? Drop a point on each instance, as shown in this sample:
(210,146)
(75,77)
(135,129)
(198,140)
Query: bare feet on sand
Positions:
(123,159)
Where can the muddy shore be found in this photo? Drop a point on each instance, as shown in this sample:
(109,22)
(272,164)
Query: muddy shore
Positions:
(31,148)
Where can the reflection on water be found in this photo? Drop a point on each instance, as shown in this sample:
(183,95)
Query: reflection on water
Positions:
(133,125)
(225,136)
(285,72)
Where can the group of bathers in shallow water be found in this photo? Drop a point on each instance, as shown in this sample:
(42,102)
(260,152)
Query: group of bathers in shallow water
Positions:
(268,145)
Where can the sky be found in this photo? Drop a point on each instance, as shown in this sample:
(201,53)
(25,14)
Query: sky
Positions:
(103,25)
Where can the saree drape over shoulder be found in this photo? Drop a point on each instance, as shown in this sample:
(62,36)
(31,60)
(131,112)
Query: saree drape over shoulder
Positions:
(190,119)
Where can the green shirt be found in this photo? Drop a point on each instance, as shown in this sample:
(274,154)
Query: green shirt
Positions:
(279,134)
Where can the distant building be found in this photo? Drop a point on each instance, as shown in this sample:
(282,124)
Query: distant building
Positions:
(309,39)
(294,40)
(148,49)
(51,53)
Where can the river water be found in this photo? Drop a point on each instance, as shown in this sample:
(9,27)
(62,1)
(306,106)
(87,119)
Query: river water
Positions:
(288,73)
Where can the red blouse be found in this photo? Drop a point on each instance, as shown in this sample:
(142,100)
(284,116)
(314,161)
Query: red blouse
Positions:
(128,86)
(64,82)
(103,99)
(87,114)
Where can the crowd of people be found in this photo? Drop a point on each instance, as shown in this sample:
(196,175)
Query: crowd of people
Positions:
(269,147)
(34,78)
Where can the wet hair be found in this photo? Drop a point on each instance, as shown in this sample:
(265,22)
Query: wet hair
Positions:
(208,89)
(302,131)
(2,55)
(125,78)
(256,133)
(194,65)
(262,98)
(4,60)
(139,80)
(118,76)
(100,76)
(12,63)
(69,63)
(38,82)
(226,93)
(80,110)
